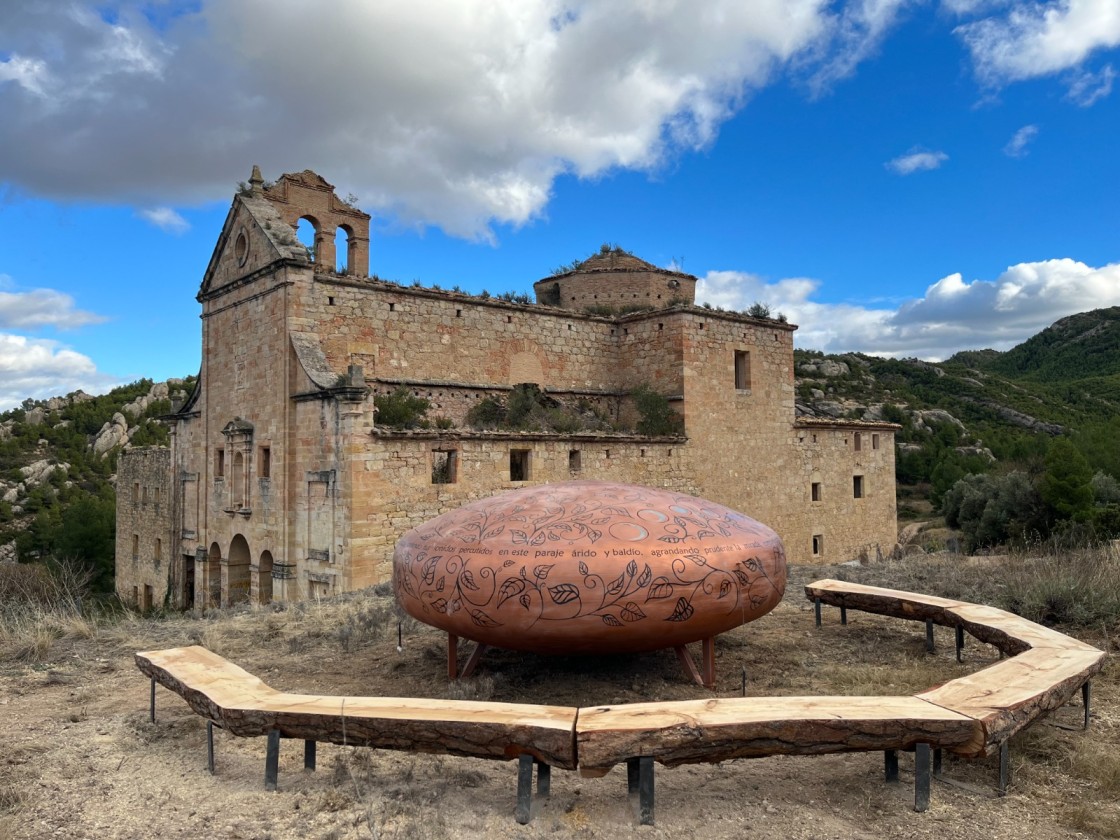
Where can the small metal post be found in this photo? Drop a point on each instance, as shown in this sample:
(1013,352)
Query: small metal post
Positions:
(400,638)
(1086,697)
(152,714)
(524,811)
(929,635)
(544,779)
(308,755)
(1004,769)
(210,746)
(960,641)
(843,615)
(937,762)
(272,760)
(744,680)
(921,777)
(817,610)
(631,776)
(645,790)
(890,765)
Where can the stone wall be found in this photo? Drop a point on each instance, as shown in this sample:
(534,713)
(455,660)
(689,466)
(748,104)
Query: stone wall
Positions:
(617,289)
(145,547)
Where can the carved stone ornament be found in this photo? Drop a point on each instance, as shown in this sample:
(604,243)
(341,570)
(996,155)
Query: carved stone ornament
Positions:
(589,567)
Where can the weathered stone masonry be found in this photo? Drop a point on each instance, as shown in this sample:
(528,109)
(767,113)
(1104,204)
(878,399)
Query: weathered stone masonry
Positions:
(280,485)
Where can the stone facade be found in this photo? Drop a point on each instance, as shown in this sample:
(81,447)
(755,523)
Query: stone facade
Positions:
(283,486)
(145,539)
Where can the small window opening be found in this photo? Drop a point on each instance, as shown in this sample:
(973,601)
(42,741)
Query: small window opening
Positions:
(135,546)
(392,307)
(341,250)
(874,441)
(643,452)
(444,466)
(857,486)
(159,550)
(569,326)
(814,438)
(661,326)
(606,453)
(858,442)
(701,325)
(147,604)
(519,463)
(818,545)
(626,331)
(509,319)
(136,492)
(220,463)
(458,313)
(574,460)
(816,491)
(742,370)
(330,301)
(265,468)
(144,496)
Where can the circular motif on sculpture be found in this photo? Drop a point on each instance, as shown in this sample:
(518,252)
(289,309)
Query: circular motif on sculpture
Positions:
(589,567)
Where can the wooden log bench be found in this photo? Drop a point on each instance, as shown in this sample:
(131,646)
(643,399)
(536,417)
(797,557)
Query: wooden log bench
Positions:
(230,697)
(1045,670)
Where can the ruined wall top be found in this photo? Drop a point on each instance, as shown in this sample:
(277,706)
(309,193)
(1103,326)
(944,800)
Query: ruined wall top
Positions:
(613,279)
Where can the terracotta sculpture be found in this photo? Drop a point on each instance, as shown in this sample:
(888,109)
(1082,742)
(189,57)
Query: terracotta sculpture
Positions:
(589,567)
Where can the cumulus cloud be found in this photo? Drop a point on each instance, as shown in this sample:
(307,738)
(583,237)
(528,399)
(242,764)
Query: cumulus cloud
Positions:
(457,114)
(1017,146)
(916,160)
(166,219)
(1036,39)
(952,315)
(40,368)
(41,308)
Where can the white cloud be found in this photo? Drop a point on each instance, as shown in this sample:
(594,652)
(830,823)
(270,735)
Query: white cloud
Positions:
(42,308)
(1036,39)
(1086,88)
(952,315)
(39,368)
(460,114)
(916,160)
(1017,146)
(166,219)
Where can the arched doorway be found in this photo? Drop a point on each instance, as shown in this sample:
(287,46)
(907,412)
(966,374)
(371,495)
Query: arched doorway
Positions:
(264,578)
(239,578)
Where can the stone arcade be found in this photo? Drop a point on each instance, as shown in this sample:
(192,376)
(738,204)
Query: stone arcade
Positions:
(279,485)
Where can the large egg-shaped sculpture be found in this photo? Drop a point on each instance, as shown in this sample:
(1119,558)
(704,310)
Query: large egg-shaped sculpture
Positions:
(589,567)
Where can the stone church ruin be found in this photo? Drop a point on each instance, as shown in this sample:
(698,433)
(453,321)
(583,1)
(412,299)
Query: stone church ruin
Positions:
(280,484)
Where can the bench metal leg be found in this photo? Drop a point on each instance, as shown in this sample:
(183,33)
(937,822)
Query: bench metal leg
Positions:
(1086,696)
(210,746)
(308,755)
(632,776)
(921,777)
(152,713)
(544,780)
(817,610)
(524,811)
(843,615)
(960,642)
(1004,769)
(890,765)
(645,790)
(272,760)
(929,635)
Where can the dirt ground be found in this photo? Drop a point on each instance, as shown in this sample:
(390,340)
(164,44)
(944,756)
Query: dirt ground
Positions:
(80,759)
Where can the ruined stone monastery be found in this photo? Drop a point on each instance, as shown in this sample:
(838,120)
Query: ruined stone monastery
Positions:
(279,484)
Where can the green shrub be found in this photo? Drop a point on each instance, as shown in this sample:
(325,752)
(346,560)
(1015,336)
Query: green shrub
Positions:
(487,413)
(657,417)
(400,409)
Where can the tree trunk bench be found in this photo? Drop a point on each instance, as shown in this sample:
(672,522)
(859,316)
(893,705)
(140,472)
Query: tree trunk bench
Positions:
(242,704)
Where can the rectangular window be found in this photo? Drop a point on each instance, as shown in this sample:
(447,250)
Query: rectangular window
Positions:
(156,491)
(874,441)
(136,492)
(144,496)
(857,486)
(135,546)
(444,466)
(818,545)
(859,442)
(159,551)
(742,370)
(519,464)
(816,491)
(575,460)
(147,604)
(220,463)
(265,470)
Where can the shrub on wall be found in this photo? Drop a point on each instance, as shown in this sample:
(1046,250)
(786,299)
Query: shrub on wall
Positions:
(400,409)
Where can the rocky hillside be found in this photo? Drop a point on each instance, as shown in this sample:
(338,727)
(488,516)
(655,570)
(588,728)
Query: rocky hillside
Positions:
(57,463)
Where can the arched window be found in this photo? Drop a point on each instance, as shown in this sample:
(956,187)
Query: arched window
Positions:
(308,234)
(342,249)
(264,578)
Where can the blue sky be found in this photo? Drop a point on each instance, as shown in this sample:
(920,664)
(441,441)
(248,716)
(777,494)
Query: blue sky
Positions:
(901,178)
